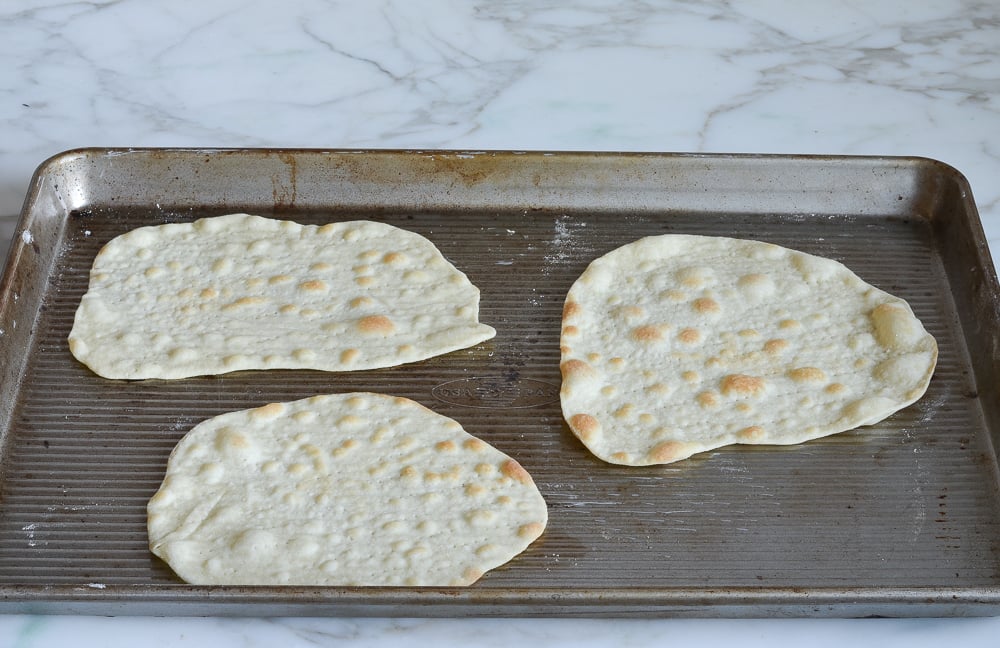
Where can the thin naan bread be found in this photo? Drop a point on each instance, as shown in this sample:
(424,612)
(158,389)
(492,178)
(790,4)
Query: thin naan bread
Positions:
(676,344)
(351,489)
(246,292)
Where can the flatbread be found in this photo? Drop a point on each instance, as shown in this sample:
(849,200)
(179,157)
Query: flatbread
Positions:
(245,292)
(351,489)
(676,344)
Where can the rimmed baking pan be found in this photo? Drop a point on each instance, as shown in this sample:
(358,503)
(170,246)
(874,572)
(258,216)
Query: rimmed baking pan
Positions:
(901,518)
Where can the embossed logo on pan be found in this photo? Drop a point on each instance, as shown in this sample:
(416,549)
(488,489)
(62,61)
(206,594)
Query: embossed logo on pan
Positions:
(497,392)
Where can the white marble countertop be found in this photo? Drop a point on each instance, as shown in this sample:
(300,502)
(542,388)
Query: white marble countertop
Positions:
(767,76)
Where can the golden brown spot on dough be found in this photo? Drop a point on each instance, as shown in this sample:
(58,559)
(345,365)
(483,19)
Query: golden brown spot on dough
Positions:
(674,295)
(349,355)
(609,390)
(749,333)
(417,552)
(570,331)
(659,388)
(313,285)
(585,426)
(691,277)
(647,333)
(409,472)
(288,309)
(515,471)
(835,388)
(475,445)
(705,305)
(689,335)
(186,293)
(470,576)
(279,279)
(621,457)
(320,266)
(376,324)
(752,433)
(359,302)
(744,407)
(647,418)
(243,302)
(153,271)
(209,293)
(741,385)
(775,346)
(304,355)
(571,309)
(394,257)
(485,469)
(789,324)
(269,411)
(594,357)
(222,265)
(357,402)
(625,411)
(350,420)
(530,530)
(617,362)
(707,399)
(233,360)
(474,490)
(629,312)
(254,282)
(362,269)
(304,416)
(752,280)
(364,281)
(415,275)
(577,368)
(690,376)
(807,374)
(895,328)
(713,362)
(445,446)
(667,451)
(230,438)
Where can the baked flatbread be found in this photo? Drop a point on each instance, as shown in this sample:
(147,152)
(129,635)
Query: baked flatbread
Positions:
(352,489)
(245,292)
(676,344)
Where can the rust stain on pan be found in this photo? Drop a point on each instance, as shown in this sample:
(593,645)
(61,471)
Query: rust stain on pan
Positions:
(284,188)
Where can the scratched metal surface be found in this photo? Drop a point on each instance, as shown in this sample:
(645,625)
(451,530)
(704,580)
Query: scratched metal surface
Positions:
(900,518)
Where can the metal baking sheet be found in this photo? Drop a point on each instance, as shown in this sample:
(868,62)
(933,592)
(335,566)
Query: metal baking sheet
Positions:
(897,519)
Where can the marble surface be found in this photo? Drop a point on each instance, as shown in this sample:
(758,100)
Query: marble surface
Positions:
(831,76)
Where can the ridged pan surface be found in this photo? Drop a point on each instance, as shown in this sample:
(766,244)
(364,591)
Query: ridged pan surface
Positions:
(897,518)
